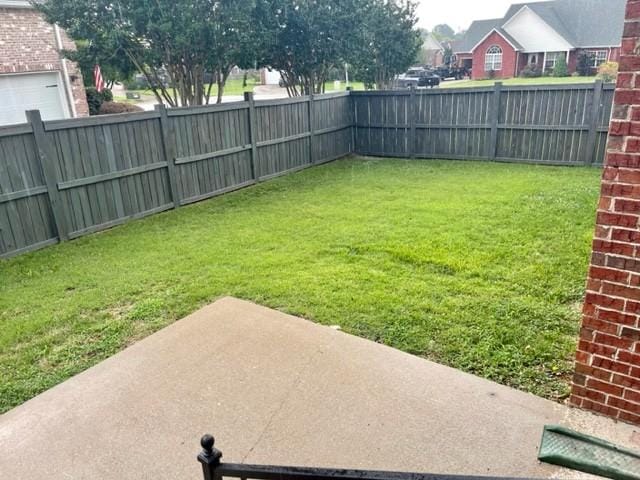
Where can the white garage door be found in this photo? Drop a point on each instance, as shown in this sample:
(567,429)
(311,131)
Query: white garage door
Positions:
(33,91)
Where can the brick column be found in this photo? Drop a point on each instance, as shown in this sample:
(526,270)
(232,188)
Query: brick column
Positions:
(607,377)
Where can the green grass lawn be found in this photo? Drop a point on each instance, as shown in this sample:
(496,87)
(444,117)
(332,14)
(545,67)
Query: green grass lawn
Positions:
(480,266)
(518,81)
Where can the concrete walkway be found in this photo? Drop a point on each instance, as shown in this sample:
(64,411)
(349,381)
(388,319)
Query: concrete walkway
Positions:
(277,389)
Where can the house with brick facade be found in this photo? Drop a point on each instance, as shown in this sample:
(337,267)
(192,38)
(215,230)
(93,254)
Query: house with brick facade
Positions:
(33,73)
(539,34)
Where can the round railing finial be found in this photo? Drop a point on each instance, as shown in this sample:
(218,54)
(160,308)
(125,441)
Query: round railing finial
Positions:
(207,441)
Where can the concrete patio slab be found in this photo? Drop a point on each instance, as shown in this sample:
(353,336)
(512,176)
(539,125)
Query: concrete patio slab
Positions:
(280,390)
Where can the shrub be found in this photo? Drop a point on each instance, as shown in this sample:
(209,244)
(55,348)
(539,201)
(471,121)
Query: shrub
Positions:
(107,95)
(585,64)
(531,71)
(608,71)
(561,69)
(95,99)
(108,108)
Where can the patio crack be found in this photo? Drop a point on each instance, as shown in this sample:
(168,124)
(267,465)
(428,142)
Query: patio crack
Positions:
(287,395)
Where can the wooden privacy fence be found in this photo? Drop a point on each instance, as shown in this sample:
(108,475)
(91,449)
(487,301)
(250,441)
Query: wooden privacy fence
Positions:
(550,124)
(64,179)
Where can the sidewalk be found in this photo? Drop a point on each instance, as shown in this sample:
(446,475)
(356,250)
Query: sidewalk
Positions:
(276,389)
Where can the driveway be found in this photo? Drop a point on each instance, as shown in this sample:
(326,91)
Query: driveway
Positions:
(280,390)
(260,92)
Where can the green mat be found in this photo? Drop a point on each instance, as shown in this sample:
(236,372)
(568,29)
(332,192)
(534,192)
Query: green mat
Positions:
(564,447)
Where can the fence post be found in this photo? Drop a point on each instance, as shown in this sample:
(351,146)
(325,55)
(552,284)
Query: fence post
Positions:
(352,119)
(593,122)
(209,457)
(248,97)
(494,118)
(47,158)
(169,142)
(311,129)
(412,122)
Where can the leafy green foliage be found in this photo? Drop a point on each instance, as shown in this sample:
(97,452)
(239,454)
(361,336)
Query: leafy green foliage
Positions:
(114,63)
(585,64)
(95,99)
(389,43)
(608,71)
(454,261)
(531,71)
(561,69)
(187,38)
(443,32)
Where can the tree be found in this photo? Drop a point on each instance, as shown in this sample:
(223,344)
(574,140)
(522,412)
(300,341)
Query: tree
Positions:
(608,71)
(561,69)
(115,66)
(443,32)
(185,38)
(305,39)
(585,64)
(388,43)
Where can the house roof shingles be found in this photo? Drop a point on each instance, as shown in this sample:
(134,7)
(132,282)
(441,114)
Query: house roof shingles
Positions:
(583,23)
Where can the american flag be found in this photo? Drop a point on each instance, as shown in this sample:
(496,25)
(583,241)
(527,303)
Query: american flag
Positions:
(97,76)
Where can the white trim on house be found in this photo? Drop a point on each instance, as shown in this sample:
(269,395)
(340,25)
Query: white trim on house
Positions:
(489,34)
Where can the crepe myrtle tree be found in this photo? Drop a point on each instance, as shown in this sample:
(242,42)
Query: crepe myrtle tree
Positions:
(305,39)
(388,43)
(184,38)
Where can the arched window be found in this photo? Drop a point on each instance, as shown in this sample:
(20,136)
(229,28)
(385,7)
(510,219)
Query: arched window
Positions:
(493,59)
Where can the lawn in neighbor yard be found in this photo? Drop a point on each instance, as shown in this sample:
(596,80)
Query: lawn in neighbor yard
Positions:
(476,265)
(518,81)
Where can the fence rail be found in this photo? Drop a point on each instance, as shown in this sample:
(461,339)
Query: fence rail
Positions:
(63,179)
(549,124)
(214,469)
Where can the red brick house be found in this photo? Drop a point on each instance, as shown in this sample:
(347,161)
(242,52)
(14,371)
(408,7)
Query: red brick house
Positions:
(33,74)
(540,33)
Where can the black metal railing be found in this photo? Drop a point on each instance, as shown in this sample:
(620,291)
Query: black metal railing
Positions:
(214,469)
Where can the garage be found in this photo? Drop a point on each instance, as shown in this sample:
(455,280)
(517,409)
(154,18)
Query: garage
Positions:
(32,91)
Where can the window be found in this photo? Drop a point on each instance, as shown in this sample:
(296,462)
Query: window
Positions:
(599,57)
(493,59)
(552,59)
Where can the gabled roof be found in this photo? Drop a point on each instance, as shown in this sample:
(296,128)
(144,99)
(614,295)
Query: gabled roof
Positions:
(431,43)
(593,23)
(476,32)
(582,23)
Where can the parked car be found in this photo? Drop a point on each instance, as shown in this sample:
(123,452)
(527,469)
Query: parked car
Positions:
(449,71)
(418,78)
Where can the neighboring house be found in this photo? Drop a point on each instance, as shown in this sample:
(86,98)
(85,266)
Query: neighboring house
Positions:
(432,51)
(540,33)
(33,74)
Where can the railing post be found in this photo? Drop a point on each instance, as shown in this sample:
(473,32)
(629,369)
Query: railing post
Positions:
(593,122)
(209,457)
(494,119)
(248,97)
(311,129)
(169,142)
(47,157)
(412,122)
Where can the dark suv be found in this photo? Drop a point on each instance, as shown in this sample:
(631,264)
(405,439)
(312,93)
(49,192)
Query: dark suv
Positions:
(417,77)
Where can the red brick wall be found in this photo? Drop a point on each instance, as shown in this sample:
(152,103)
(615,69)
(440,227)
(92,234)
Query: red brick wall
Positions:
(28,44)
(607,377)
(508,58)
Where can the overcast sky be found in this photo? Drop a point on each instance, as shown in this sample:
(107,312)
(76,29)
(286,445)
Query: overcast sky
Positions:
(460,13)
